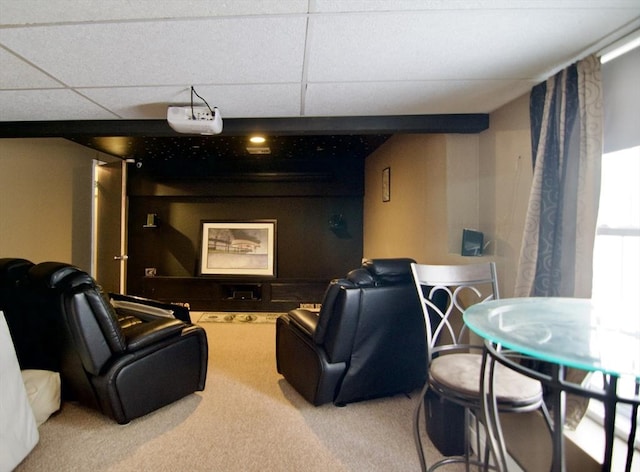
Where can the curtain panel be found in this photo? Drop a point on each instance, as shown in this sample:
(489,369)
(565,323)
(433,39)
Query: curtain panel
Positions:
(566,132)
(556,257)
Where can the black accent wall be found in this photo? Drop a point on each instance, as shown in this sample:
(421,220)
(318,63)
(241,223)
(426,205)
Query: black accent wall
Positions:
(303,203)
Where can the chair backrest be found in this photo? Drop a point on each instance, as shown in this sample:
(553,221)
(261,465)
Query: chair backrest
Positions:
(80,320)
(445,292)
(338,317)
(388,339)
(13,272)
(365,297)
(330,305)
(92,322)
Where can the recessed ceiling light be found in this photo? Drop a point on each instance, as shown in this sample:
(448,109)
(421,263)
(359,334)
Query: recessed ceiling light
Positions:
(257,139)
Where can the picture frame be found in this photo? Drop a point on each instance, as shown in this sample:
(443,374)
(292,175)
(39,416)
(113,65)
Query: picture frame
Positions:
(246,247)
(386,184)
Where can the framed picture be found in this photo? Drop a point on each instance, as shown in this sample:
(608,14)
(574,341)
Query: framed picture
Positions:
(238,248)
(386,184)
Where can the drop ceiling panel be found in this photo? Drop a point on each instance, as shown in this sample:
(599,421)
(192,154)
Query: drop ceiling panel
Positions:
(234,101)
(248,50)
(450,44)
(416,5)
(54,104)
(411,98)
(53,11)
(17,74)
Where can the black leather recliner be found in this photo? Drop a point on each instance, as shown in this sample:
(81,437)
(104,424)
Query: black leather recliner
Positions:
(123,366)
(367,341)
(13,274)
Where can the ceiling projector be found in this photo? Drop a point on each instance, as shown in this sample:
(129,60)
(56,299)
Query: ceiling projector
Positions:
(195,120)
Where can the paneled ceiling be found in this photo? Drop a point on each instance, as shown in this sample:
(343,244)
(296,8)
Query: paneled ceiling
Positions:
(92,69)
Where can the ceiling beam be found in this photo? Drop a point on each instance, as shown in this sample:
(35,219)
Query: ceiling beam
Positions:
(451,123)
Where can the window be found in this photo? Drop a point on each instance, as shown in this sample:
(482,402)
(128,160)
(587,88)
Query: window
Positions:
(616,258)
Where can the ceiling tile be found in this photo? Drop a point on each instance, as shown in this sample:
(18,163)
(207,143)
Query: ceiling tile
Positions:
(411,98)
(251,50)
(17,74)
(55,11)
(438,45)
(54,104)
(234,101)
(416,5)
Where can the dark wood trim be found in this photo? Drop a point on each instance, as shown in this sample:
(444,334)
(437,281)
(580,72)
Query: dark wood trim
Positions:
(453,123)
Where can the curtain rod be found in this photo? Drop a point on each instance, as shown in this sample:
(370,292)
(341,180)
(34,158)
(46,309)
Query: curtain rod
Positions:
(625,34)
(619,47)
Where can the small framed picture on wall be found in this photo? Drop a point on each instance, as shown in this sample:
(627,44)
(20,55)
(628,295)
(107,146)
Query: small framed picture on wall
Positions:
(386,184)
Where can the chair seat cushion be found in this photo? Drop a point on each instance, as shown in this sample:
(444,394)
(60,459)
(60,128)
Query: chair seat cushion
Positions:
(460,372)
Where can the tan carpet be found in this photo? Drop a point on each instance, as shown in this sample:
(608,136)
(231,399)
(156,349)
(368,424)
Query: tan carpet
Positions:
(247,419)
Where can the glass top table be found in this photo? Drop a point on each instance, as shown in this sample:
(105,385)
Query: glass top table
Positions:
(565,332)
(570,331)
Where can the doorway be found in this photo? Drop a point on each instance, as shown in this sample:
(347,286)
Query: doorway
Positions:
(109,245)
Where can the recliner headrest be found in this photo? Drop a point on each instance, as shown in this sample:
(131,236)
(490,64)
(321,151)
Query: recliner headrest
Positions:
(361,278)
(13,269)
(51,274)
(389,270)
(75,279)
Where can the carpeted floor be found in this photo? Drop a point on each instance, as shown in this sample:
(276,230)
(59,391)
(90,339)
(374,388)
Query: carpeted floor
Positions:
(247,419)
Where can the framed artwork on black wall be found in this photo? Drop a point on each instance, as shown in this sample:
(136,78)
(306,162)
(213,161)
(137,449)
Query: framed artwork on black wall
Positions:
(238,247)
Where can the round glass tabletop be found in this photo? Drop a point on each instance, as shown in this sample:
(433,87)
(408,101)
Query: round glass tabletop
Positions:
(569,331)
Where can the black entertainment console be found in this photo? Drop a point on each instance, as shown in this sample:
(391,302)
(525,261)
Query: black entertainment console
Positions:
(246,294)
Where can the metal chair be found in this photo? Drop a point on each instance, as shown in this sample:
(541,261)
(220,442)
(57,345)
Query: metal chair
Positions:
(455,365)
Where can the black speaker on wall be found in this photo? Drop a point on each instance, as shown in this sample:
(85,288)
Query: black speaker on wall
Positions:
(472,242)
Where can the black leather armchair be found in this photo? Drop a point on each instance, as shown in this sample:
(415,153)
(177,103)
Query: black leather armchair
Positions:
(367,341)
(120,364)
(13,294)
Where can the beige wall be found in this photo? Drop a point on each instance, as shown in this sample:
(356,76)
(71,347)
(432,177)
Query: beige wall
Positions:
(505,176)
(400,226)
(434,195)
(46,200)
(441,184)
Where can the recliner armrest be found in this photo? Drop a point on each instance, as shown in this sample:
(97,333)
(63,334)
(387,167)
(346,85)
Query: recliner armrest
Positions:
(144,334)
(305,320)
(178,311)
